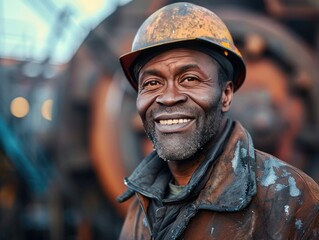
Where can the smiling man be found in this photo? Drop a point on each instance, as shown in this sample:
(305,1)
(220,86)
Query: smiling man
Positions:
(184,86)
(204,180)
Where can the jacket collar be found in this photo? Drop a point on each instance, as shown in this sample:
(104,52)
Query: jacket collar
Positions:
(232,182)
(227,185)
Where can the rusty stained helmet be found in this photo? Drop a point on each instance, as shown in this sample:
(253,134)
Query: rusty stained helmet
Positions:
(182,24)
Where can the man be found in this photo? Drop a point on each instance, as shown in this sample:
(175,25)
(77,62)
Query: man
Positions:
(204,180)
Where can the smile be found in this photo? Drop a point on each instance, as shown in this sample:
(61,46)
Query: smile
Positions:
(174,121)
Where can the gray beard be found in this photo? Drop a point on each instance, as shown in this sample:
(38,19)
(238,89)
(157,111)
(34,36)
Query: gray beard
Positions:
(176,148)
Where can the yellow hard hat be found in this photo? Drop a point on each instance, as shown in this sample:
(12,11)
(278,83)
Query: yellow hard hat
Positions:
(180,25)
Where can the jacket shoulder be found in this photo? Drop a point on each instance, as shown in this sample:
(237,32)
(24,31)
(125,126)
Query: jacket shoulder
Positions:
(287,197)
(278,175)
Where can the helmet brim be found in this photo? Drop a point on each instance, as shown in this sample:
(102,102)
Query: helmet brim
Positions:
(129,60)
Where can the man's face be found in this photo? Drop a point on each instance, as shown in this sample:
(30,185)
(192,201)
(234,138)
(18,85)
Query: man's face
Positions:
(179,101)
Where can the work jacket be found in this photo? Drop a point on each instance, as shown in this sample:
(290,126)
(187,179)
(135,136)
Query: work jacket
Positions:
(237,193)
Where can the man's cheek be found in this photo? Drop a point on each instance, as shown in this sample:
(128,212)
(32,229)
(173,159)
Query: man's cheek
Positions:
(143,103)
(206,101)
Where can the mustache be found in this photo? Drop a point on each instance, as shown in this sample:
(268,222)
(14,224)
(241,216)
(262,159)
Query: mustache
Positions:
(174,109)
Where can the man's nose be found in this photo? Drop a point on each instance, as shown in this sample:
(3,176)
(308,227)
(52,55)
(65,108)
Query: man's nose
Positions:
(170,96)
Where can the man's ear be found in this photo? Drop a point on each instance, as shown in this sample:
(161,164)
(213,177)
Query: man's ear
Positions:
(227,96)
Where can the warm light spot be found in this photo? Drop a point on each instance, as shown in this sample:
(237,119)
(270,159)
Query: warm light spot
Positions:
(226,53)
(90,7)
(46,109)
(19,107)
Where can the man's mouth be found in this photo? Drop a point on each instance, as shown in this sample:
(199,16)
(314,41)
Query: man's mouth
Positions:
(174,121)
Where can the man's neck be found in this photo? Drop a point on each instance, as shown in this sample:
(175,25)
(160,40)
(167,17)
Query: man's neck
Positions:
(183,170)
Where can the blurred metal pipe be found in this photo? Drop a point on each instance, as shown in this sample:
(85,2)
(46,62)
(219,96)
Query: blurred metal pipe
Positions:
(12,148)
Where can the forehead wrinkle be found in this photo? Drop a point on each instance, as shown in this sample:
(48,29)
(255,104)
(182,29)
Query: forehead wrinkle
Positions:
(172,54)
(186,67)
(168,61)
(151,72)
(173,60)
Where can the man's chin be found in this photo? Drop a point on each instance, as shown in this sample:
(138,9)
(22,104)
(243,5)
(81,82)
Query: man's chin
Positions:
(178,146)
(175,152)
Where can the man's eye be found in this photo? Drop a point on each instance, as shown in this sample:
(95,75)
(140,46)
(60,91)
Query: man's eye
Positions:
(150,85)
(189,80)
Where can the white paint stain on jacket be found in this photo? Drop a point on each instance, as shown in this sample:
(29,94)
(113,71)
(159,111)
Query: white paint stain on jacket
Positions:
(286,210)
(293,189)
(298,224)
(270,176)
(235,160)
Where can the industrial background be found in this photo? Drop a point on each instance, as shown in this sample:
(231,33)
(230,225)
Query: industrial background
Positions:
(69,131)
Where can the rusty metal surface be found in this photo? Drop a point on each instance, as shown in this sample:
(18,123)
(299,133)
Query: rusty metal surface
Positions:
(183,22)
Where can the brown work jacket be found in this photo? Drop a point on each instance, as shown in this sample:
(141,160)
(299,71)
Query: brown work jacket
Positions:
(242,194)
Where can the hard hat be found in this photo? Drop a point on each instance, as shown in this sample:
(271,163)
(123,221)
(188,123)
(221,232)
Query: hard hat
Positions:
(180,25)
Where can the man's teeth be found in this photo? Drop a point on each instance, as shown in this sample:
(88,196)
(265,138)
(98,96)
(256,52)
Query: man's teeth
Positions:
(174,121)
